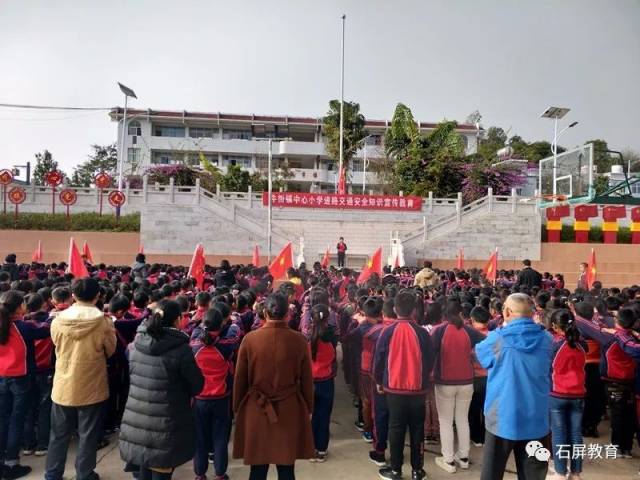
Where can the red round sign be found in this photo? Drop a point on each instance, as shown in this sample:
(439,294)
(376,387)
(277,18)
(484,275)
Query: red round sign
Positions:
(17,195)
(6,177)
(102,180)
(53,178)
(117,198)
(68,197)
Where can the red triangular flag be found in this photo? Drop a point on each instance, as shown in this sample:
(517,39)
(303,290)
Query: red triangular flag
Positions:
(326,259)
(282,263)
(592,270)
(37,254)
(196,269)
(342,182)
(87,252)
(374,265)
(76,265)
(491,267)
(460,259)
(256,257)
(140,248)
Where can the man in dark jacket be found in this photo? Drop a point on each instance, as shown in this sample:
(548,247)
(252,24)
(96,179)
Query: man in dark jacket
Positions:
(529,277)
(224,276)
(10,266)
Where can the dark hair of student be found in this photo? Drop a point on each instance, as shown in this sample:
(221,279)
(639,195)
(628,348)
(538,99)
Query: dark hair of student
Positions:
(372,307)
(223,308)
(584,310)
(496,305)
(33,302)
(225,265)
(405,303)
(563,319)
(119,303)
(626,317)
(453,312)
(211,322)
(319,318)
(183,302)
(276,306)
(480,315)
(140,258)
(140,298)
(86,289)
(10,302)
(164,316)
(466,310)
(388,308)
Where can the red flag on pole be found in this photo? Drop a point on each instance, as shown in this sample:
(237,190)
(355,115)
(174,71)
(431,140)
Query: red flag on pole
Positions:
(592,270)
(37,254)
(374,265)
(256,257)
(140,248)
(326,259)
(196,269)
(87,252)
(76,266)
(342,187)
(282,263)
(460,259)
(491,268)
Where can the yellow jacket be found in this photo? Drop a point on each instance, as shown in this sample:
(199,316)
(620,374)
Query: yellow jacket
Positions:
(84,338)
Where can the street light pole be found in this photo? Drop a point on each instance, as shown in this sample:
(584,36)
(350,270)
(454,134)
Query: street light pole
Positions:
(122,142)
(340,172)
(555,154)
(269,190)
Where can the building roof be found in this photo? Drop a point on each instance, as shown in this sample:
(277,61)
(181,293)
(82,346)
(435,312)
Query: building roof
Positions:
(117,112)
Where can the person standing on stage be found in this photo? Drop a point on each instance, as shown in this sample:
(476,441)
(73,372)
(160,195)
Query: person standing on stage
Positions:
(342,252)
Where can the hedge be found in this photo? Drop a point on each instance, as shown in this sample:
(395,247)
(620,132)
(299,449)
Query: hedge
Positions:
(567,235)
(82,222)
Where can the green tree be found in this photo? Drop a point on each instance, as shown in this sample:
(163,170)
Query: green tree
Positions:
(354,131)
(235,180)
(44,164)
(631,157)
(602,160)
(103,158)
(494,139)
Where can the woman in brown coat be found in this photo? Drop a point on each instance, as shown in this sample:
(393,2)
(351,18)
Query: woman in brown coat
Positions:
(273,396)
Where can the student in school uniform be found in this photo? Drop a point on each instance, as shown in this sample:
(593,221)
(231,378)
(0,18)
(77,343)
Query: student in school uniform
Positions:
(322,344)
(212,407)
(479,320)
(17,365)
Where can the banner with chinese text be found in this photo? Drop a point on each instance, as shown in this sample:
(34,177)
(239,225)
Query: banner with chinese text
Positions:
(332,200)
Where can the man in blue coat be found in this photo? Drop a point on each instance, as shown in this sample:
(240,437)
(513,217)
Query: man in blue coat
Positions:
(518,359)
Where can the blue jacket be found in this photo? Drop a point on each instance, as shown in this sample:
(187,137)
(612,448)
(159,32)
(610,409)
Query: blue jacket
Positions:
(518,359)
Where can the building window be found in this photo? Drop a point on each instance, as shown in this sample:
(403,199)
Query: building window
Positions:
(195,158)
(134,128)
(240,160)
(357,165)
(262,162)
(234,134)
(201,132)
(133,156)
(168,131)
(373,140)
(166,158)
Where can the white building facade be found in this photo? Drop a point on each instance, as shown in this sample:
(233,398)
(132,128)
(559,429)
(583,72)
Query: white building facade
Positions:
(171,137)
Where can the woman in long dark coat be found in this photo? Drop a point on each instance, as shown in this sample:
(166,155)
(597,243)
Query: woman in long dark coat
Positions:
(273,396)
(157,432)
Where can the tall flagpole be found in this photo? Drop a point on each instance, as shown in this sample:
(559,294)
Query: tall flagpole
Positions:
(340,172)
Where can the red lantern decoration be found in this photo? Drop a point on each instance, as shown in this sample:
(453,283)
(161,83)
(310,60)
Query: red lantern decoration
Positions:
(117,198)
(6,177)
(68,197)
(17,195)
(53,179)
(102,180)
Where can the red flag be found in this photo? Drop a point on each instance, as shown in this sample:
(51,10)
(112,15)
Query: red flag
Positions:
(196,269)
(76,265)
(374,265)
(326,259)
(140,248)
(37,254)
(256,257)
(282,263)
(592,270)
(491,268)
(460,259)
(86,252)
(342,187)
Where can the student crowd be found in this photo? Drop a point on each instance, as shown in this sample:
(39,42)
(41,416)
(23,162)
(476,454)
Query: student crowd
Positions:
(172,366)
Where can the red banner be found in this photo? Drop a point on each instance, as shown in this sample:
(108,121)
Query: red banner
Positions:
(332,200)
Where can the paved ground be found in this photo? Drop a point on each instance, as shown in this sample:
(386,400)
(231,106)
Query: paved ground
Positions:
(348,458)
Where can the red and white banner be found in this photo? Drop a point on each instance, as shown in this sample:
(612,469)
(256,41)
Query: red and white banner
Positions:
(332,200)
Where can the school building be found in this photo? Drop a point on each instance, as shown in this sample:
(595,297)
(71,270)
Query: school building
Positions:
(162,137)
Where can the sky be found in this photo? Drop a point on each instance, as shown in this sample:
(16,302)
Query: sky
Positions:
(509,59)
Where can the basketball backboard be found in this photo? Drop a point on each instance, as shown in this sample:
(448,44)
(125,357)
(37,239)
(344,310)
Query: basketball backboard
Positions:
(569,174)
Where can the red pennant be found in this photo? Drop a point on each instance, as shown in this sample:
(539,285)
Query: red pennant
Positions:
(256,257)
(374,265)
(196,269)
(592,270)
(326,259)
(282,263)
(37,254)
(460,259)
(87,252)
(491,267)
(342,182)
(76,266)
(140,248)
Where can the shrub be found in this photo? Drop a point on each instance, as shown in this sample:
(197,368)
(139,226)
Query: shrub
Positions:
(83,222)
(567,235)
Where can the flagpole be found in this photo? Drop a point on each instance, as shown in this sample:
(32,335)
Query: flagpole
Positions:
(340,173)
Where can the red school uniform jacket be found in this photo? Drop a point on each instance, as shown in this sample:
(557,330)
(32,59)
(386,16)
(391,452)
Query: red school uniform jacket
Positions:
(324,366)
(567,368)
(216,364)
